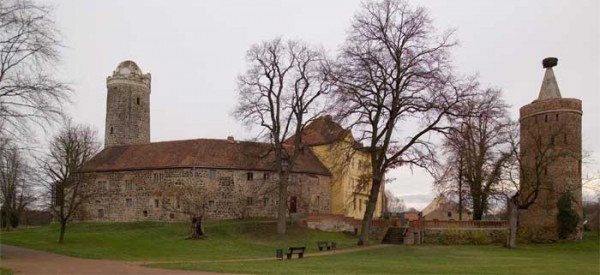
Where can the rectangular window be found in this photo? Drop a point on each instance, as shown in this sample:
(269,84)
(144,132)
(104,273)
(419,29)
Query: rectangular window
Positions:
(156,203)
(128,185)
(265,201)
(318,200)
(158,178)
(354,203)
(172,216)
(359,204)
(103,185)
(145,213)
(212,173)
(293,205)
(249,200)
(211,203)
(250,176)
(129,202)
(100,213)
(292,178)
(267,176)
(449,214)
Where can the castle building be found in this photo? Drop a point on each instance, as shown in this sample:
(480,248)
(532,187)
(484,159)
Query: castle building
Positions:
(550,135)
(350,166)
(134,179)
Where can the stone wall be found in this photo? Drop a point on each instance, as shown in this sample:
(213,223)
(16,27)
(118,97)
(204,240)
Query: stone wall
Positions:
(127,109)
(222,193)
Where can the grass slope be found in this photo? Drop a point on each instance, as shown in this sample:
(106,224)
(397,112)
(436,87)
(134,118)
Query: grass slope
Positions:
(166,242)
(560,258)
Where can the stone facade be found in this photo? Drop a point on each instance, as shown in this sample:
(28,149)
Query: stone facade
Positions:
(550,129)
(147,195)
(127,106)
(133,179)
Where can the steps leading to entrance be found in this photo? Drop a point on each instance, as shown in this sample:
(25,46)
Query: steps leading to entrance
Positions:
(394,235)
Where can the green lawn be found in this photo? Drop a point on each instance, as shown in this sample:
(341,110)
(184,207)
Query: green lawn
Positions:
(561,258)
(236,239)
(166,242)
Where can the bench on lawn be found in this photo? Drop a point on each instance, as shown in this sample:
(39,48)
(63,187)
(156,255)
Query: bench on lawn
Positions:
(296,250)
(323,244)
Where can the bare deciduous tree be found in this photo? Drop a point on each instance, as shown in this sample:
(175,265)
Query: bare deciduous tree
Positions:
(69,150)
(394,84)
(15,184)
(188,199)
(29,91)
(393,203)
(279,92)
(476,148)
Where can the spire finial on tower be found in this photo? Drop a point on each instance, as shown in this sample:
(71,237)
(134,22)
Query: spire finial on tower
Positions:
(549,88)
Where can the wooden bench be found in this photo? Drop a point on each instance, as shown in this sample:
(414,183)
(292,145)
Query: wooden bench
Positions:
(296,250)
(323,244)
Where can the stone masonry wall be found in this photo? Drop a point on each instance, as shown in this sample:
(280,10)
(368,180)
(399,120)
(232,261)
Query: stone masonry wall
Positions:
(127,112)
(146,194)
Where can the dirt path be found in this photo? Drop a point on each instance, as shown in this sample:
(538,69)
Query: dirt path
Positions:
(317,254)
(27,261)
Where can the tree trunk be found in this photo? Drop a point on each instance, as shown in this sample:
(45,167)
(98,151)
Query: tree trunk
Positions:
(368,217)
(197,228)
(63,226)
(282,206)
(513,219)
(478,202)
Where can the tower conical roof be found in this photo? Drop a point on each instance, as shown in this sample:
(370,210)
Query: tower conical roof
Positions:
(549,89)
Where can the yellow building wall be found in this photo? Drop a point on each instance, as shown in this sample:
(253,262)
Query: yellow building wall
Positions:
(351,178)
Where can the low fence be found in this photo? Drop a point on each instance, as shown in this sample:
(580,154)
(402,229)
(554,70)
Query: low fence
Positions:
(329,222)
(459,224)
(456,232)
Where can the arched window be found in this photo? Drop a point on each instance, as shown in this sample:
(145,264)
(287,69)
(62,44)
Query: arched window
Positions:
(111,130)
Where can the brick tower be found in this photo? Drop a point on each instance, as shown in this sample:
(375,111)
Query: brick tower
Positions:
(550,129)
(127,106)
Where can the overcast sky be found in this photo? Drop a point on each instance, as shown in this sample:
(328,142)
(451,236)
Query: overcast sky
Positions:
(195,49)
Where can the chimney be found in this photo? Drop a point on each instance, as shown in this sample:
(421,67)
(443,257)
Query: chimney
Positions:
(230,139)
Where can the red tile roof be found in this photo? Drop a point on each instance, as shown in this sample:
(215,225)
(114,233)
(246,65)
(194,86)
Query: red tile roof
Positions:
(322,130)
(209,153)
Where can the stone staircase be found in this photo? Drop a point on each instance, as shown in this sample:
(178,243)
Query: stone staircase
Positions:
(394,235)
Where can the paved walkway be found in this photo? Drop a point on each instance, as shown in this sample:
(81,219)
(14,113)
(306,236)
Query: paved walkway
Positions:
(28,261)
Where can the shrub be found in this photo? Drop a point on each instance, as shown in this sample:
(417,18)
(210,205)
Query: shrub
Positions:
(567,216)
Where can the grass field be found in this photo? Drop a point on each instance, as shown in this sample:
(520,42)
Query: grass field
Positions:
(256,239)
(166,242)
(560,258)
